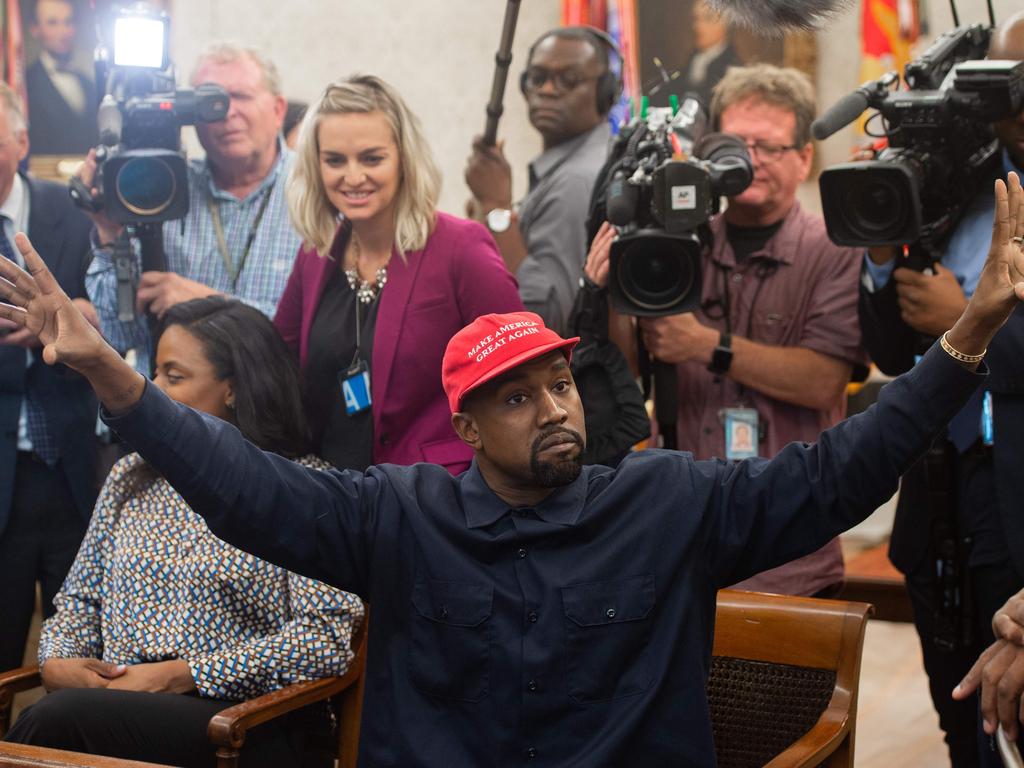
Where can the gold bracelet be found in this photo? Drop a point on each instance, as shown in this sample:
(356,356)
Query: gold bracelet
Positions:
(957,354)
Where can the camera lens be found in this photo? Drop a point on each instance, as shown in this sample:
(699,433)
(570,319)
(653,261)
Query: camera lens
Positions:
(875,205)
(656,275)
(146,186)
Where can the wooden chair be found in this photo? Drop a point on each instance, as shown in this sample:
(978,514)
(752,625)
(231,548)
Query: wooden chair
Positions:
(228,728)
(784,677)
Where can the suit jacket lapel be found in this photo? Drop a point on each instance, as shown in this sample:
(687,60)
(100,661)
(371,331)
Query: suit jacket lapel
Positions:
(394,301)
(44,229)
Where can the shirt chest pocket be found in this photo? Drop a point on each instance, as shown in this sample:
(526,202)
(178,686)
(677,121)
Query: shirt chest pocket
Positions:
(772,326)
(607,628)
(449,639)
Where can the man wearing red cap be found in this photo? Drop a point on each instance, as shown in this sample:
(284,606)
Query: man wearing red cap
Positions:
(533,610)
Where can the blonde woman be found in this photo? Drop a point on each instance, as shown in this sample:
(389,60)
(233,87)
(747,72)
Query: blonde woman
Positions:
(382,281)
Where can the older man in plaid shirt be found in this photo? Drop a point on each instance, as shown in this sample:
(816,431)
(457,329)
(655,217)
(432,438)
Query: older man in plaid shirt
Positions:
(236,238)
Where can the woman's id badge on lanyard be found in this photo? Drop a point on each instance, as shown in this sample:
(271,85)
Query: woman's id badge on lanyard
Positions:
(740,433)
(355,387)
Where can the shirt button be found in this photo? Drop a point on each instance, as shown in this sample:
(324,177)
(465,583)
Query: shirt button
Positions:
(737,278)
(385,440)
(532,685)
(521,553)
(444,611)
(707,430)
(531,752)
(532,617)
(610,613)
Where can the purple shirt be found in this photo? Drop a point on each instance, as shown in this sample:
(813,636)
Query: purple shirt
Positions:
(799,291)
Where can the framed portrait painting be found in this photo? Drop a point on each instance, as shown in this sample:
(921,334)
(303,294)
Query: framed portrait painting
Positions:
(685,47)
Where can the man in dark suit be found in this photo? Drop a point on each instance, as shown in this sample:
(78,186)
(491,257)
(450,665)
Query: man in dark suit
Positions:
(713,53)
(61,100)
(47,415)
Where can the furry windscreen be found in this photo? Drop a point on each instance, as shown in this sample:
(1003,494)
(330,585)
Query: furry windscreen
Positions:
(778,16)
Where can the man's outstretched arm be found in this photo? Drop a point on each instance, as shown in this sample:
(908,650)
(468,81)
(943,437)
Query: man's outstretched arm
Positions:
(313,523)
(774,511)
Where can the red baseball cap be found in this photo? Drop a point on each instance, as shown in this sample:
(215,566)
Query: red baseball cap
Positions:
(493,344)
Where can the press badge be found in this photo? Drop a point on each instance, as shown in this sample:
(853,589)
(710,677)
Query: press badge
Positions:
(740,433)
(987,430)
(355,387)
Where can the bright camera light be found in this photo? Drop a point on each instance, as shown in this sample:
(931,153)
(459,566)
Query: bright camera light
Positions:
(139,42)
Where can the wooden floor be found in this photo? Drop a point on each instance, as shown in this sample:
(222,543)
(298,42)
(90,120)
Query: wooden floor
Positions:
(896,724)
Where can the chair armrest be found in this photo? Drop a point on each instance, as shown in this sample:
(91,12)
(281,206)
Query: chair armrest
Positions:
(228,727)
(18,680)
(822,740)
(28,756)
(12,682)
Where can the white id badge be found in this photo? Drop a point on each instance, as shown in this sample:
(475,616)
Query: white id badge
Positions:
(740,433)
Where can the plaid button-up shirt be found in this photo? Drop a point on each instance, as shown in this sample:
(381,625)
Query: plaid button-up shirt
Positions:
(192,251)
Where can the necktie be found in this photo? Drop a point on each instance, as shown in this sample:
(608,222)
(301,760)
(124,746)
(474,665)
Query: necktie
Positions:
(38,431)
(6,246)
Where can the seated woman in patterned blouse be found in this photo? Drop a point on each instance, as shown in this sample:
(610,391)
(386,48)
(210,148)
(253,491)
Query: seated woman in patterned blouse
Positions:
(159,624)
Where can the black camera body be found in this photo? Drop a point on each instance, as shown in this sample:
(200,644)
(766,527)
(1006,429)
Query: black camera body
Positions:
(142,173)
(659,192)
(941,148)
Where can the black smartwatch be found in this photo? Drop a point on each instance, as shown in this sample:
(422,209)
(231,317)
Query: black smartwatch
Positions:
(721,358)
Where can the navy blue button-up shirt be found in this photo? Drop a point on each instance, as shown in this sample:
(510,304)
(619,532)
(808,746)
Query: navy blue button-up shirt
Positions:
(574,633)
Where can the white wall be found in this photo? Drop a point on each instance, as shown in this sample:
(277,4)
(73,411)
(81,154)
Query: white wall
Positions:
(439,54)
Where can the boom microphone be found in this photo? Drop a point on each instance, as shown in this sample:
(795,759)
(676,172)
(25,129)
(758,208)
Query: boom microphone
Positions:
(840,114)
(778,16)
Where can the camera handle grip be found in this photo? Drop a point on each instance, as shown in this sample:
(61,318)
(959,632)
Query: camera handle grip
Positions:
(123,258)
(82,197)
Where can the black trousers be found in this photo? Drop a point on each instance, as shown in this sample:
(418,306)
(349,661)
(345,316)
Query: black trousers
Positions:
(39,543)
(166,728)
(991,587)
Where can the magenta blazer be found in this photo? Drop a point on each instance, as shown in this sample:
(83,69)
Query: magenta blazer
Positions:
(436,291)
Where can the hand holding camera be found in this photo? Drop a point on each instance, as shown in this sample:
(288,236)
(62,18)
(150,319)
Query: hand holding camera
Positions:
(107,230)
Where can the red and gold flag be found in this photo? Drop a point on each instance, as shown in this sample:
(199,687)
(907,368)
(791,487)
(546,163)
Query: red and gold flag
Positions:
(13,49)
(888,30)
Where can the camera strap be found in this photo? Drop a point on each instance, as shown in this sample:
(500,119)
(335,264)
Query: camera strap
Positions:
(222,244)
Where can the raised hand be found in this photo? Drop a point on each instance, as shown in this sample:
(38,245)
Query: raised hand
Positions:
(37,304)
(33,300)
(1001,285)
(1002,279)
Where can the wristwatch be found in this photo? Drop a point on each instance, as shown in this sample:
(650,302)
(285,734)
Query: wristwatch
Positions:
(499,220)
(721,358)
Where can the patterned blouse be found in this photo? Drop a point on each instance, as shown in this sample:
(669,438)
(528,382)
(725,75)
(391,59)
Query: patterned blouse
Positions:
(152,583)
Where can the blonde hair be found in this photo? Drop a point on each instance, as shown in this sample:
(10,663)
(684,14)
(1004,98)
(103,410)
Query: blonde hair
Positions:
(312,214)
(784,87)
(228,51)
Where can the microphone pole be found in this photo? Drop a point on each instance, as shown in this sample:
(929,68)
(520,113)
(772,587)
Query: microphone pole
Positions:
(502,60)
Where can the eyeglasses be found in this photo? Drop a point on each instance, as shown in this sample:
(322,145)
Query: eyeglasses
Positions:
(767,151)
(564,80)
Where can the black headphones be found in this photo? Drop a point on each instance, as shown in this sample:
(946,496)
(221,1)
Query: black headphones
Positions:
(609,85)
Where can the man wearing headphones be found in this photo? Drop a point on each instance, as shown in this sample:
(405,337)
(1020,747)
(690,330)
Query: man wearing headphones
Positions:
(569,89)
